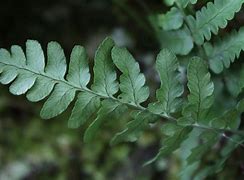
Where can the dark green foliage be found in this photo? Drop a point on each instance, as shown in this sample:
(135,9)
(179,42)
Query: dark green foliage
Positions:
(212,17)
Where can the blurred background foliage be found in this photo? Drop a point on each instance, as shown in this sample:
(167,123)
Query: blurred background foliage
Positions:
(31,148)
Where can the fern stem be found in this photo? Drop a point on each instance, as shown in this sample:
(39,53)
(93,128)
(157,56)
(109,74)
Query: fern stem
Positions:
(218,130)
(232,140)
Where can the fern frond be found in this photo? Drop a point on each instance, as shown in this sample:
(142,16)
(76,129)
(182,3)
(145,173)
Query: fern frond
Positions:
(208,139)
(134,128)
(225,51)
(86,105)
(172,142)
(28,74)
(225,153)
(171,89)
(212,17)
(109,110)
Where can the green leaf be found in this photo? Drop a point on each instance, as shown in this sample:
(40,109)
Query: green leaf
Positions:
(86,105)
(131,81)
(104,74)
(178,41)
(182,3)
(225,51)
(169,129)
(225,153)
(172,143)
(22,83)
(35,56)
(240,106)
(58,101)
(208,139)
(7,61)
(17,56)
(230,120)
(109,111)
(8,75)
(26,69)
(201,90)
(79,73)
(186,171)
(212,17)
(40,81)
(168,95)
(172,20)
(41,89)
(234,81)
(28,74)
(56,64)
(169,2)
(134,128)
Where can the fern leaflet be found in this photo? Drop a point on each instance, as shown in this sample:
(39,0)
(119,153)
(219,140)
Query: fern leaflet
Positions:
(201,89)
(171,89)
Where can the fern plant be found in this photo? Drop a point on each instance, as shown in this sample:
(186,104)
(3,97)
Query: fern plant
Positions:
(183,109)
